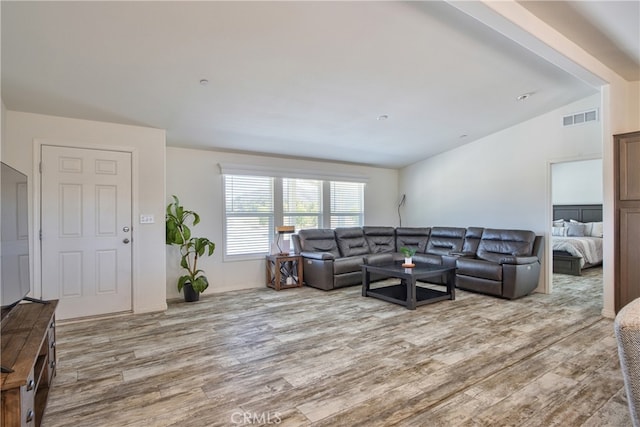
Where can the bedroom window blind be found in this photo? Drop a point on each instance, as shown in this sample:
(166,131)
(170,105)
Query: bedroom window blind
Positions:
(249,214)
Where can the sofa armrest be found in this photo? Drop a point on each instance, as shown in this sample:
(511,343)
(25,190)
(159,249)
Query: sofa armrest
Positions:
(452,258)
(518,260)
(318,255)
(520,279)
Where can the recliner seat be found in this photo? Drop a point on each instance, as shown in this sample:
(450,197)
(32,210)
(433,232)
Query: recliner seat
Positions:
(504,265)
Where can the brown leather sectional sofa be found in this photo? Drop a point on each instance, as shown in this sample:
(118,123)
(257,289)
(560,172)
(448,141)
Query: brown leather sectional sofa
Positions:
(503,263)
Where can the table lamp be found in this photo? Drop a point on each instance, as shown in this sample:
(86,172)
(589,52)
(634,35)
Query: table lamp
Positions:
(280,230)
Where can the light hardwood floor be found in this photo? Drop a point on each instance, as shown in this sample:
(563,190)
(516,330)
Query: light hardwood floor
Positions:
(303,357)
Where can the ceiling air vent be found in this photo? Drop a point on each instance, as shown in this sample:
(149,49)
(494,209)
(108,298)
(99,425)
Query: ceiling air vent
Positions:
(580,118)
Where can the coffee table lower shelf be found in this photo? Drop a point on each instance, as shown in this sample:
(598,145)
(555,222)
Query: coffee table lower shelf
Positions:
(397,294)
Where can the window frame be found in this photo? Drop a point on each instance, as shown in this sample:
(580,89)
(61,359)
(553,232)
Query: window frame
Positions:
(319,214)
(225,233)
(278,214)
(332,213)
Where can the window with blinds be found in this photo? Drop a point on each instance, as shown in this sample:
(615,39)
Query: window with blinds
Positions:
(249,214)
(302,203)
(254,205)
(347,204)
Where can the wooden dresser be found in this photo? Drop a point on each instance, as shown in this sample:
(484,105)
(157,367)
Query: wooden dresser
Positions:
(29,348)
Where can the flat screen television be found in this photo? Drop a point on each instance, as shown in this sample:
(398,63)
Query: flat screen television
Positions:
(14,236)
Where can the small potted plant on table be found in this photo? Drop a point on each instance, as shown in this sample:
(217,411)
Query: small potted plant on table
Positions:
(408,254)
(191,249)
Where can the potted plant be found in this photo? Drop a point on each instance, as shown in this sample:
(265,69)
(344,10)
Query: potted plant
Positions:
(192,248)
(408,254)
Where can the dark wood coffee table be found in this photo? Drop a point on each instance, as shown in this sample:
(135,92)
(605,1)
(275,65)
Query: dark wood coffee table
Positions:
(406,293)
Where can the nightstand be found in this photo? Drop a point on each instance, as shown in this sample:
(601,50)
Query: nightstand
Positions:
(284,271)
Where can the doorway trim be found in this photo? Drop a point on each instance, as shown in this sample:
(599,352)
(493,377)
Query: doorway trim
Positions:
(549,212)
(36,250)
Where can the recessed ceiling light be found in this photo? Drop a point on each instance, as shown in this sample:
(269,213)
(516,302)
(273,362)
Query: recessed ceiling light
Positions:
(204,82)
(383,117)
(523,96)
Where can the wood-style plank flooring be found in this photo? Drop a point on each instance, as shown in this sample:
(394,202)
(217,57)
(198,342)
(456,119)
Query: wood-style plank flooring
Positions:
(305,357)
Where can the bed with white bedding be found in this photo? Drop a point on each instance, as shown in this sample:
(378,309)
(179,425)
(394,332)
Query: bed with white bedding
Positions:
(587,248)
(576,238)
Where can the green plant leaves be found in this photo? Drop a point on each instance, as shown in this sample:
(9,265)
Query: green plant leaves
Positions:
(181,281)
(200,284)
(191,248)
(408,252)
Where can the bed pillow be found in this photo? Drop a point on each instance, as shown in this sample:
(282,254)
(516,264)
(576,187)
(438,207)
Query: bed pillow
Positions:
(596,229)
(558,222)
(587,226)
(559,231)
(575,229)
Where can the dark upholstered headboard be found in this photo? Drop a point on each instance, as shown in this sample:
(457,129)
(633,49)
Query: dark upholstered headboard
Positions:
(581,213)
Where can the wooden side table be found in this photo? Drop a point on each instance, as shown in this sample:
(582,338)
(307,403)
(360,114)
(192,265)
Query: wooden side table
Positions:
(284,271)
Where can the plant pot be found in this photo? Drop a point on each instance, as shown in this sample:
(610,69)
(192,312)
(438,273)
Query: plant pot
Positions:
(190,295)
(408,260)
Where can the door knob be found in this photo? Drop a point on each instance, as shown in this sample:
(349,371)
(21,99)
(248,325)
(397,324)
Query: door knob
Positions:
(125,229)
(126,240)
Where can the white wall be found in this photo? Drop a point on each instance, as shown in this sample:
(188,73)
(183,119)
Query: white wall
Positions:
(3,115)
(620,105)
(502,180)
(24,134)
(194,176)
(577,182)
(633,105)
(499,180)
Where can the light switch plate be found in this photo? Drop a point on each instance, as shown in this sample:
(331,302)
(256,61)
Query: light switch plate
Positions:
(147,219)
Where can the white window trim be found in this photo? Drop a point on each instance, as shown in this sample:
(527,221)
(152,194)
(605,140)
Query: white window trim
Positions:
(259,170)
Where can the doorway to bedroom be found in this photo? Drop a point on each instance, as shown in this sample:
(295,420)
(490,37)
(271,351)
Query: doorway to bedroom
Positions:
(576,230)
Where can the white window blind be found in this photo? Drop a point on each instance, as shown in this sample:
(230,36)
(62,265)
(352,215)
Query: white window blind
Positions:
(249,214)
(255,204)
(347,204)
(302,203)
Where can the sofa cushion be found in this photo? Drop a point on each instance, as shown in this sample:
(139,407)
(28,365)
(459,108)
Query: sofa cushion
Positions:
(427,259)
(380,239)
(479,268)
(347,264)
(472,239)
(380,258)
(444,240)
(318,240)
(496,243)
(412,237)
(351,241)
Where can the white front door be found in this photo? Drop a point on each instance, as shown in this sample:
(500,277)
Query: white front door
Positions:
(86,230)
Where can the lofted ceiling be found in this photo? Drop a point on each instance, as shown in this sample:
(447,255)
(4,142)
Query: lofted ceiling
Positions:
(377,83)
(608,30)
